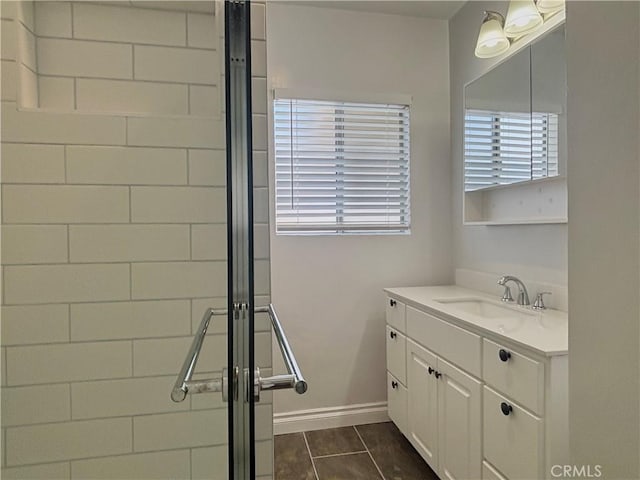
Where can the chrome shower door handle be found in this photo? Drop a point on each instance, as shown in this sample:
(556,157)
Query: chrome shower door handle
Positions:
(293,378)
(184,384)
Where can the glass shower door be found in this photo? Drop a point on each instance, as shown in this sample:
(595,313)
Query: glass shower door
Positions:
(241,383)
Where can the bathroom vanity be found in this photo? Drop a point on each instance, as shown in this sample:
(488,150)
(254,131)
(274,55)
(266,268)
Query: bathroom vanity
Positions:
(478,386)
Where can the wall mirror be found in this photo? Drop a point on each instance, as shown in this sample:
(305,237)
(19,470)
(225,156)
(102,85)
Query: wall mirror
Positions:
(515,118)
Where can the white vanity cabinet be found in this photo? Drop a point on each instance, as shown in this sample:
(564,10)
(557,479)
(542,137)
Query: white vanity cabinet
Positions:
(444,414)
(474,404)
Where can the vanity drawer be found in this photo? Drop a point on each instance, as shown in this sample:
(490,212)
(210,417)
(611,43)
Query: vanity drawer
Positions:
(490,473)
(397,402)
(453,343)
(512,438)
(397,354)
(514,374)
(396,314)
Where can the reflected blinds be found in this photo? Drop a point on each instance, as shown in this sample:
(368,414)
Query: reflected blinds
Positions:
(341,167)
(508,147)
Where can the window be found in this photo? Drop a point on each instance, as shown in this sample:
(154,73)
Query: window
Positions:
(341,167)
(508,147)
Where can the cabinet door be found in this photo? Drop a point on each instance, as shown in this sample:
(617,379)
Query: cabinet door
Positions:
(422,395)
(460,417)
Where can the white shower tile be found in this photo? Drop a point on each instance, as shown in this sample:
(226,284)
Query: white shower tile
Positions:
(207,463)
(204,100)
(202,31)
(123,320)
(259,95)
(53,19)
(57,93)
(157,465)
(34,244)
(209,242)
(84,59)
(64,204)
(49,471)
(68,362)
(117,398)
(62,441)
(208,167)
(8,44)
(258,58)
(177,65)
(66,283)
(260,169)
(188,429)
(123,243)
(195,132)
(24,163)
(118,96)
(27,324)
(178,205)
(40,404)
(178,280)
(125,24)
(258,24)
(9,83)
(126,165)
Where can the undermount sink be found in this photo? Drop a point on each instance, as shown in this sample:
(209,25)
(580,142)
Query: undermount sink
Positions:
(480,307)
(505,317)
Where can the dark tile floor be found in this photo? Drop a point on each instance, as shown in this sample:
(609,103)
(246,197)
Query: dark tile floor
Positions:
(366,452)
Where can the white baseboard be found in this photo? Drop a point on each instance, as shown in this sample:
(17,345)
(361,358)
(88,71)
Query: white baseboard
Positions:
(332,417)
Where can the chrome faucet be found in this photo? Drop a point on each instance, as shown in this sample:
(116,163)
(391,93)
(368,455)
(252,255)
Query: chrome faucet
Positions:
(523,295)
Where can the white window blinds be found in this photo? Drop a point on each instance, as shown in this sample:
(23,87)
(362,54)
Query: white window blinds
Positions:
(341,167)
(508,147)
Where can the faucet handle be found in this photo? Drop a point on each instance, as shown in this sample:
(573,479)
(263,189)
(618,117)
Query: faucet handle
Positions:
(506,296)
(539,303)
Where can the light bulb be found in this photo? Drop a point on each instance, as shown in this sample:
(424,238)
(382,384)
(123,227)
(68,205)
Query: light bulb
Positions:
(548,7)
(491,39)
(522,17)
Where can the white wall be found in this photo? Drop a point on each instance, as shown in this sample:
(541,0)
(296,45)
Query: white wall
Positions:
(603,169)
(328,289)
(537,252)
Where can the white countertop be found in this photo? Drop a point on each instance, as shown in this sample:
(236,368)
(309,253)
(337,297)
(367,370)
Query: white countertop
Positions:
(545,331)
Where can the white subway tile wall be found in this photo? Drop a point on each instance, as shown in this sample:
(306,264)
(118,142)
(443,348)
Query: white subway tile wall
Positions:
(114,238)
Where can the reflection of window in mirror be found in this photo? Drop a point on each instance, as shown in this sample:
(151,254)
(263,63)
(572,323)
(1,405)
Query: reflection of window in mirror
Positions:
(507,147)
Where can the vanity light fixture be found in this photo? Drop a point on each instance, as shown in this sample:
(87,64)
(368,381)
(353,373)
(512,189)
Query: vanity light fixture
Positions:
(522,18)
(491,40)
(549,7)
